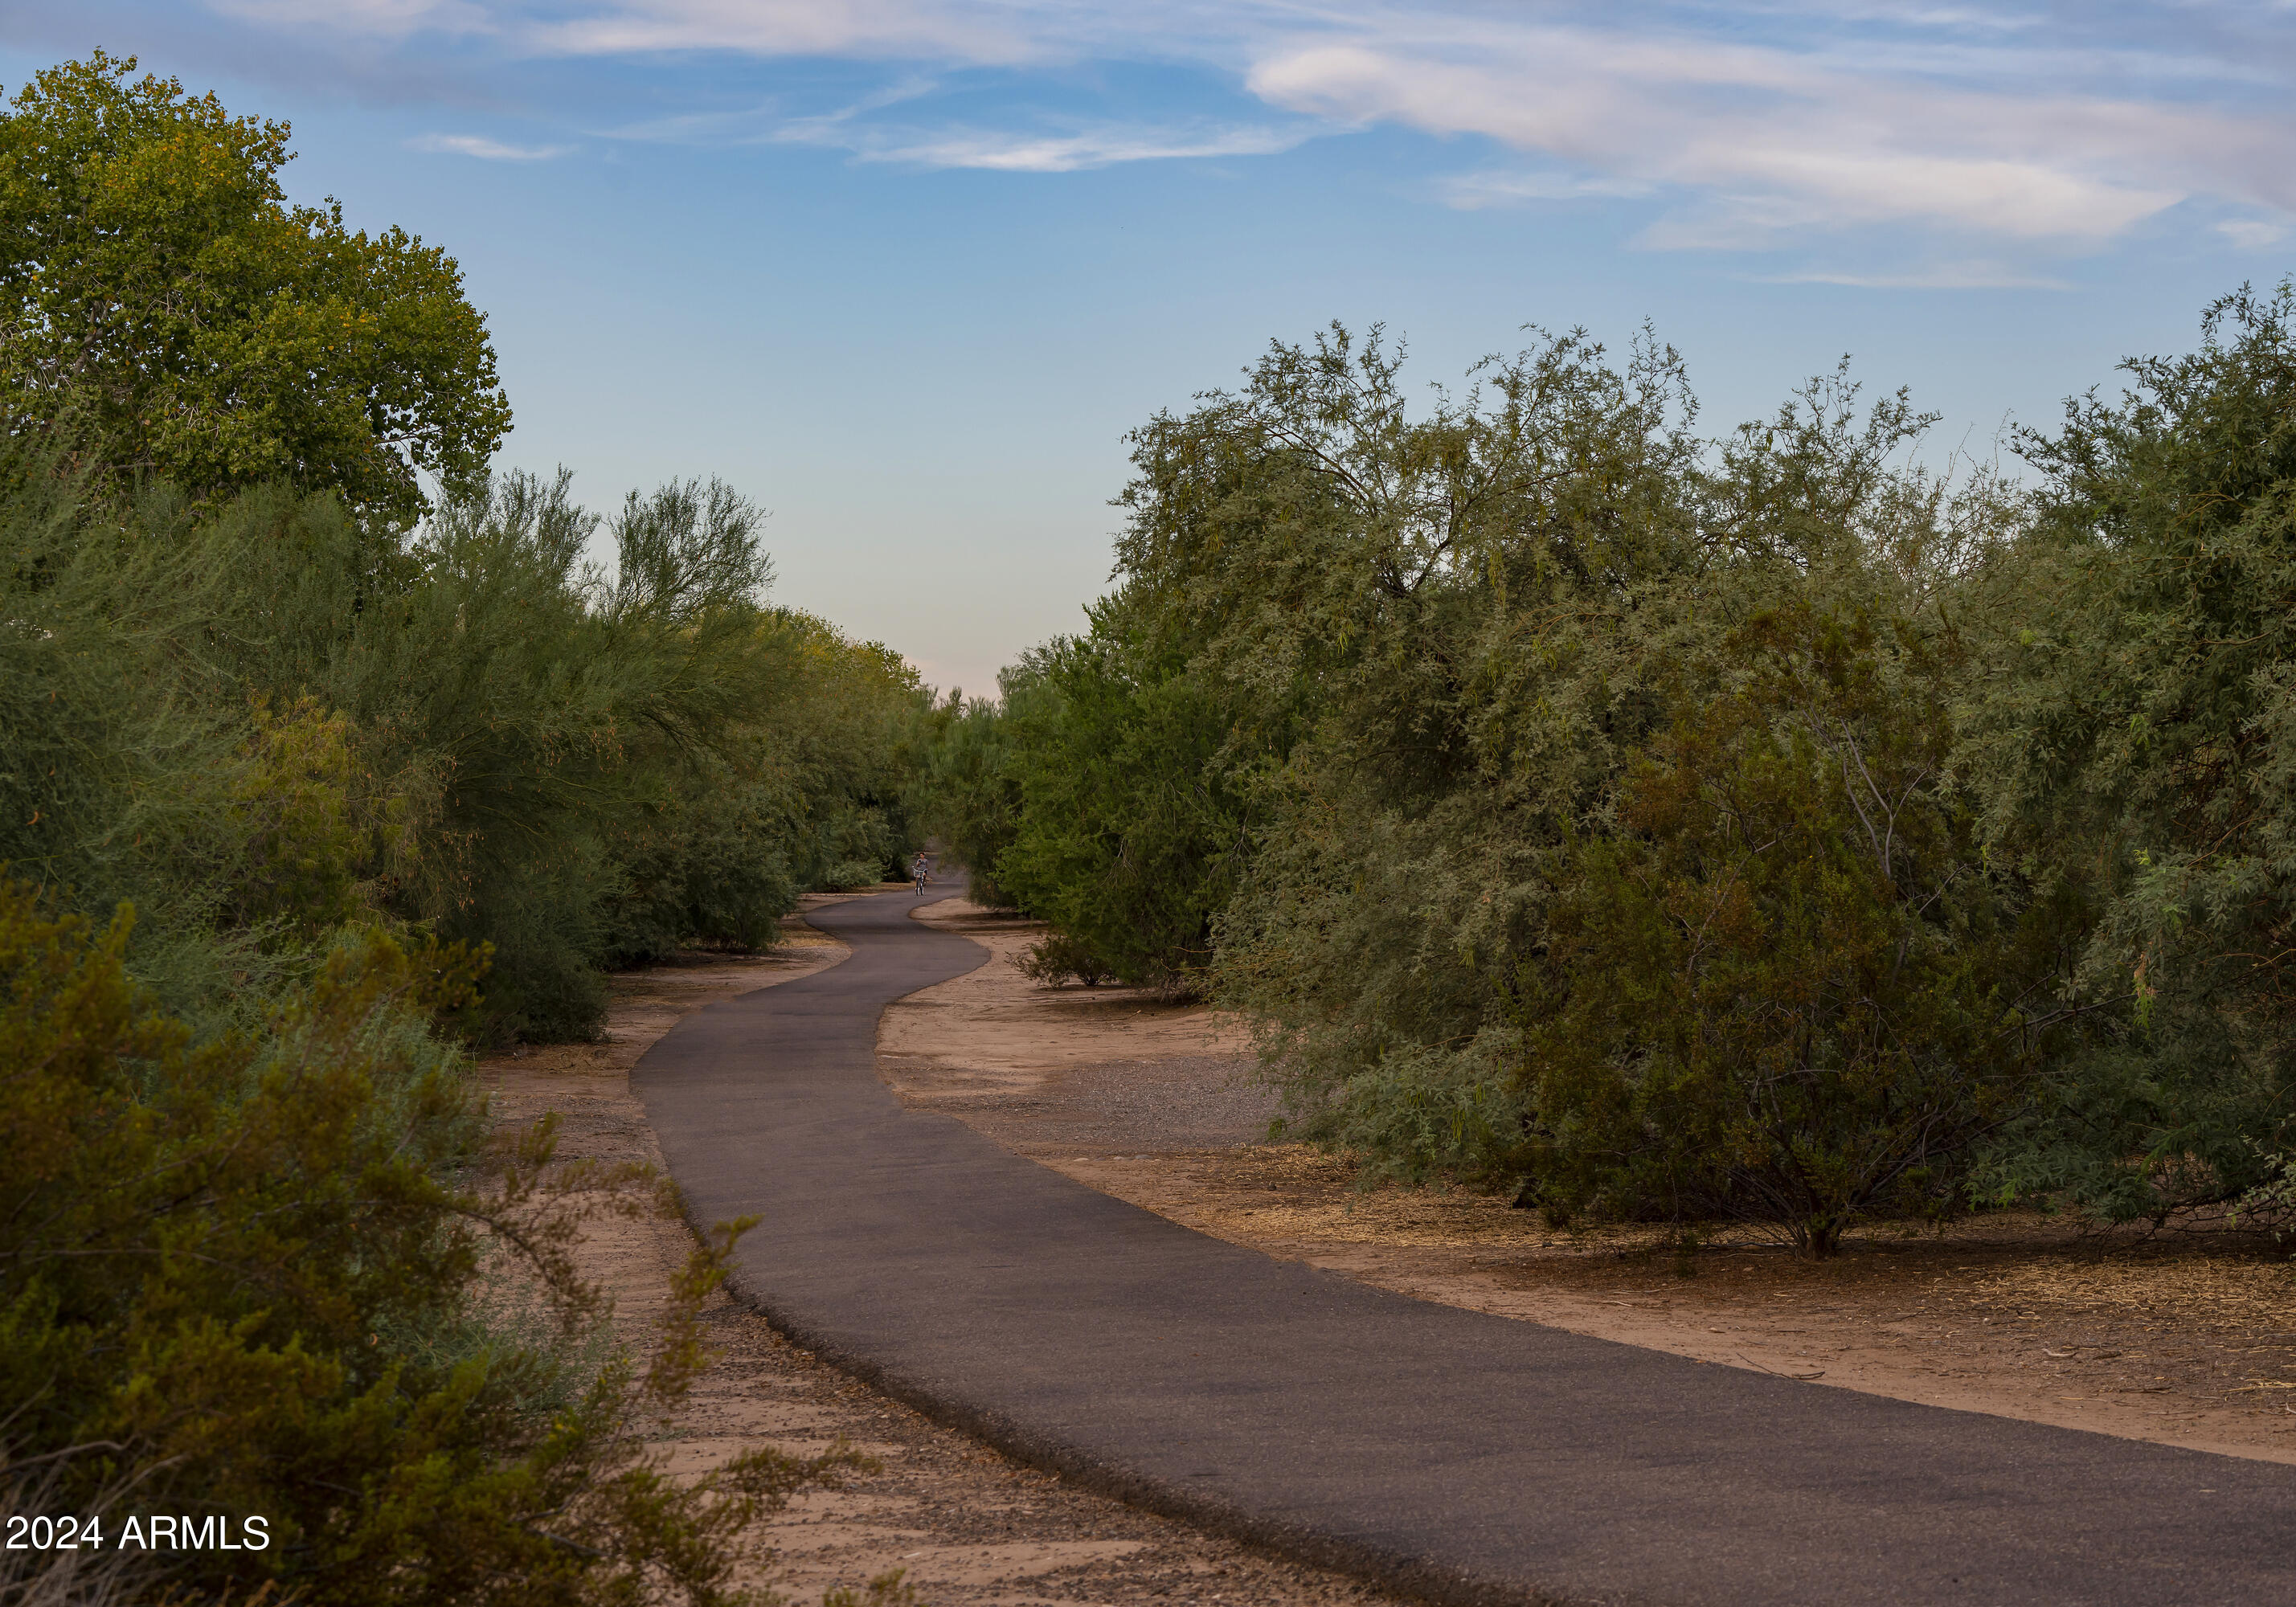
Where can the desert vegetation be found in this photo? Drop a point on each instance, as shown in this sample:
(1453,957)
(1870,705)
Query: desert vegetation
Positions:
(1781,825)
(1786,825)
(326,756)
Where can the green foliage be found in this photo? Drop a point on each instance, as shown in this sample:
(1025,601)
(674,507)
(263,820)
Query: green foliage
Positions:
(308,824)
(810,790)
(1787,988)
(969,790)
(1056,958)
(2139,731)
(1452,627)
(168,313)
(137,768)
(849,744)
(1765,827)
(240,1272)
(257,1253)
(1129,835)
(535,711)
(232,719)
(288,1273)
(706,860)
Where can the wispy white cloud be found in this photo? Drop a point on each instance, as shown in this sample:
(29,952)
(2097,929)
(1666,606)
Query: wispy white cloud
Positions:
(1066,146)
(1958,17)
(915,30)
(2252,234)
(1775,146)
(483,148)
(1008,151)
(1940,276)
(369,19)
(1500,187)
(1749,124)
(770,122)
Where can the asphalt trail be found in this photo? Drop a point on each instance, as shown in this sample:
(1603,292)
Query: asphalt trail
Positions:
(1466,1457)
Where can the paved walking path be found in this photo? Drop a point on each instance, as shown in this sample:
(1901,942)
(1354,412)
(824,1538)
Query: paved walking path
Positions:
(1470,1458)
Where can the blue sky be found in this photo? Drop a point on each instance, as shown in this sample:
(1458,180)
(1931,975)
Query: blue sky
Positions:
(907,270)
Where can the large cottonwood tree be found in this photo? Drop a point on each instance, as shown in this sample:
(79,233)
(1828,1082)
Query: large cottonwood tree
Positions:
(165,311)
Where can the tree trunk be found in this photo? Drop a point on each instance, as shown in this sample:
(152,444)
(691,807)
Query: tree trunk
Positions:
(1820,1240)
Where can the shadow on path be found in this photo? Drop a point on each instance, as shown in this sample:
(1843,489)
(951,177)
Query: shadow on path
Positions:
(1464,1457)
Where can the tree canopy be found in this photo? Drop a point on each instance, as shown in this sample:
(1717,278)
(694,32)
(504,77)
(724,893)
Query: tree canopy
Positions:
(1676,828)
(313,778)
(165,311)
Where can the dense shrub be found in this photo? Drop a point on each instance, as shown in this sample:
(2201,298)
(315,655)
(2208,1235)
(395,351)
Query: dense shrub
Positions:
(1765,827)
(2138,734)
(247,1271)
(1788,988)
(235,719)
(1128,833)
(968,792)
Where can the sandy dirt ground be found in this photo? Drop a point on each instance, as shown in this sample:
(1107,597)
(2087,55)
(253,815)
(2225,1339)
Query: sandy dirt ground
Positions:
(2187,1340)
(967,1526)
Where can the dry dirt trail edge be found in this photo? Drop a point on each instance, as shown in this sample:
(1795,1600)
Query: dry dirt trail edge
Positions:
(1458,1457)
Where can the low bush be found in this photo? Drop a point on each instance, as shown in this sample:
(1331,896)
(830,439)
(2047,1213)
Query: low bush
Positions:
(261,1270)
(1057,957)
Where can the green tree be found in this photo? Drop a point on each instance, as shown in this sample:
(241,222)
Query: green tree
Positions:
(1788,989)
(165,311)
(1130,832)
(1418,655)
(2139,734)
(530,714)
(1445,621)
(968,790)
(257,1252)
(808,787)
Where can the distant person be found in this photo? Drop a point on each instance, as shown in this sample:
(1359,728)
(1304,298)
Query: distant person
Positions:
(918,871)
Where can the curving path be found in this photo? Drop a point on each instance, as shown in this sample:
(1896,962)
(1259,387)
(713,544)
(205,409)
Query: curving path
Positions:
(1465,1457)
